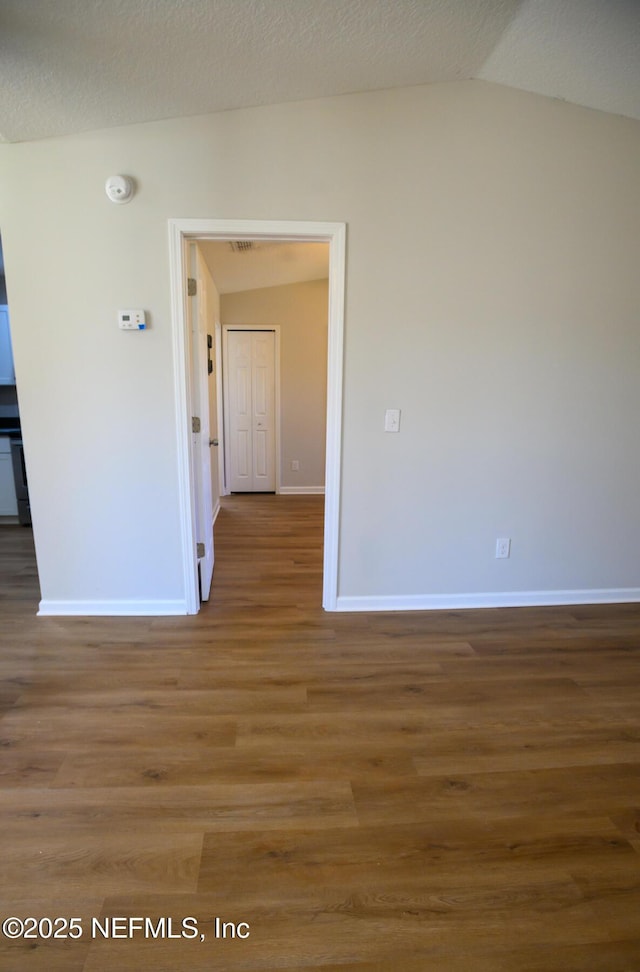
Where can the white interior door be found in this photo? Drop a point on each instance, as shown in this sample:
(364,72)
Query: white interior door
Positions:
(200,439)
(251,410)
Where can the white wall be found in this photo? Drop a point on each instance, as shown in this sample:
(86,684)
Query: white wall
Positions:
(301,310)
(492,295)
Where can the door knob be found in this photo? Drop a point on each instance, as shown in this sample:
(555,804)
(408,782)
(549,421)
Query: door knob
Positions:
(213,442)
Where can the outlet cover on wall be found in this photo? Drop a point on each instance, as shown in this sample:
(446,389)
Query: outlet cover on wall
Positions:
(295,465)
(503,547)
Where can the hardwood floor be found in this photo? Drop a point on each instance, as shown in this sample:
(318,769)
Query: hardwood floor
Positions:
(448,791)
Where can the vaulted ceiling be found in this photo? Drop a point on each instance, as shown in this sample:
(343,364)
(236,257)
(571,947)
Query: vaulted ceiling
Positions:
(68,66)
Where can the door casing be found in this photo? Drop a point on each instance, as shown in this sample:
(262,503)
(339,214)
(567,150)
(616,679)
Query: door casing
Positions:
(201,450)
(183,231)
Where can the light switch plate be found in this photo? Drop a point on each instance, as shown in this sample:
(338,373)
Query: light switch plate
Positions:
(392,420)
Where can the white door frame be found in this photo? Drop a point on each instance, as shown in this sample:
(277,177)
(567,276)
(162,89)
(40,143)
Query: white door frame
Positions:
(218,433)
(225,390)
(201,451)
(182,231)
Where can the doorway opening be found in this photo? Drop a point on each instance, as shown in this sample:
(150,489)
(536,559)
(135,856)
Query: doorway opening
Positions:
(183,233)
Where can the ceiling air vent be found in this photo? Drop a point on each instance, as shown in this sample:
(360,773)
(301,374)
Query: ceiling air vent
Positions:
(241,246)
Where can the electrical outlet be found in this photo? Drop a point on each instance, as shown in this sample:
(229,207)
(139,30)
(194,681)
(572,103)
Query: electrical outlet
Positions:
(295,465)
(503,547)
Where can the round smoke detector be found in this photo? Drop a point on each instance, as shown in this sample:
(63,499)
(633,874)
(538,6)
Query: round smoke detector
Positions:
(119,189)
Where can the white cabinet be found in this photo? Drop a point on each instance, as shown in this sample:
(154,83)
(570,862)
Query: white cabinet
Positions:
(8,501)
(7,374)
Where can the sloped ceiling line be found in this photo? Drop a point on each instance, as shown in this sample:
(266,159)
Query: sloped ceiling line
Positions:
(77,65)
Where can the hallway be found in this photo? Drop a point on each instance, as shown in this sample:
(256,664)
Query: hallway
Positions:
(269,554)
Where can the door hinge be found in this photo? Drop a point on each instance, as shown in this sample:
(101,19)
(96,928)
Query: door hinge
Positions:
(192,287)
(195,423)
(200,549)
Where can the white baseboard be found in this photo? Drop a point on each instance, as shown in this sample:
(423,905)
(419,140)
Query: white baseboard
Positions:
(111,608)
(302,490)
(216,510)
(458,602)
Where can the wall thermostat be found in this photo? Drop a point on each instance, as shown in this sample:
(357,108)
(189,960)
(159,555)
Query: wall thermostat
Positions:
(119,188)
(132,320)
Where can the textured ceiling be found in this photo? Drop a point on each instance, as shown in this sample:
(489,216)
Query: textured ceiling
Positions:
(585,51)
(75,65)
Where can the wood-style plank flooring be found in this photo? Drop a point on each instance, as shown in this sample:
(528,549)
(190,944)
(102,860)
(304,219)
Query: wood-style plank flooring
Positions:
(451,791)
